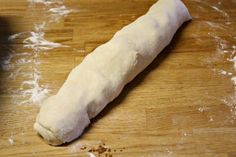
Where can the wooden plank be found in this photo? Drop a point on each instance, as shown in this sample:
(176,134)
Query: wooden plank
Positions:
(181,105)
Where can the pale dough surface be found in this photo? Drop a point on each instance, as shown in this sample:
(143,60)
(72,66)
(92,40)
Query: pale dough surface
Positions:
(103,74)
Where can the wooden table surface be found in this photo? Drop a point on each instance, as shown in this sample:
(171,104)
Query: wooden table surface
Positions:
(183,104)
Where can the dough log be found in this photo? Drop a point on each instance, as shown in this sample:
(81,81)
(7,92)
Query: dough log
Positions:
(103,73)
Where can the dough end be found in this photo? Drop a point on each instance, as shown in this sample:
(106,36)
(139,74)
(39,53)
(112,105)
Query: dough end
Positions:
(47,135)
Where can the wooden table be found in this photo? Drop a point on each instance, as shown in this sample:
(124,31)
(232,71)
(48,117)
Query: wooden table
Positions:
(183,104)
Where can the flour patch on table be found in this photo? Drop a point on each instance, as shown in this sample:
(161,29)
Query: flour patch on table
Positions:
(225,52)
(37,42)
(30,90)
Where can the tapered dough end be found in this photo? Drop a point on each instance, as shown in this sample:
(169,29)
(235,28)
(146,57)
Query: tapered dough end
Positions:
(57,123)
(47,135)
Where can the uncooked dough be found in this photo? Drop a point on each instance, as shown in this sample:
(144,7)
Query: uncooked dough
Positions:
(103,73)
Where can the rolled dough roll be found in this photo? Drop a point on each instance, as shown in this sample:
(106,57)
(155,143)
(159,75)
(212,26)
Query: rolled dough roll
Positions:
(103,73)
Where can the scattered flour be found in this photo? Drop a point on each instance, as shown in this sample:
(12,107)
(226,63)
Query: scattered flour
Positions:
(214,6)
(233,79)
(214,25)
(45,2)
(37,42)
(55,9)
(203,109)
(61,10)
(58,12)
(230,101)
(91,154)
(234,61)
(5,63)
(211,119)
(74,148)
(16,73)
(11,140)
(169,153)
(225,52)
(14,36)
(223,72)
(36,93)
(224,13)
(34,42)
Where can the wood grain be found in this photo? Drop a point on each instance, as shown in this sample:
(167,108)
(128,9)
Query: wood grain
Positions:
(173,108)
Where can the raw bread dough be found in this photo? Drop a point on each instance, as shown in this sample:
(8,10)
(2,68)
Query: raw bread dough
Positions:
(103,73)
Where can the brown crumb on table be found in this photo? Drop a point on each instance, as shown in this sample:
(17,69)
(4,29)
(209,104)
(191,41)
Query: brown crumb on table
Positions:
(108,155)
(100,149)
(83,148)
